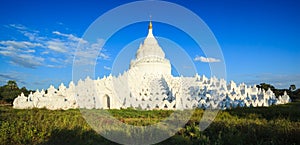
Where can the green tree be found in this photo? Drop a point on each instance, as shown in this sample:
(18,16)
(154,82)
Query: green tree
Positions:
(292,87)
(10,91)
(25,91)
(277,92)
(12,85)
(265,86)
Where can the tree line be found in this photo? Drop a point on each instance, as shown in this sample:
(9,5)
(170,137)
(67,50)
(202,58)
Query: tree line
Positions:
(10,91)
(292,91)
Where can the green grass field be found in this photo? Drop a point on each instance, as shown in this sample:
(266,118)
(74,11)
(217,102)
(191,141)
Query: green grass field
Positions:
(273,125)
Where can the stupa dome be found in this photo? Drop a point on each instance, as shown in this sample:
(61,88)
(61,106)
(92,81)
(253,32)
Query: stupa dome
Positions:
(150,47)
(150,57)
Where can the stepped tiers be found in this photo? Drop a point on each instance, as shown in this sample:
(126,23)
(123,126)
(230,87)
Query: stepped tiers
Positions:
(150,58)
(148,84)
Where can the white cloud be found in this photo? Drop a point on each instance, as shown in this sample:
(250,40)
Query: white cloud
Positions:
(206,59)
(54,60)
(30,51)
(42,50)
(26,60)
(31,36)
(18,26)
(45,52)
(5,52)
(89,53)
(60,23)
(20,44)
(21,53)
(107,68)
(70,37)
(104,56)
(54,66)
(56,45)
(12,75)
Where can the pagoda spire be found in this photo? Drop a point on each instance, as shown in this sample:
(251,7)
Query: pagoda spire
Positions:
(150,23)
(150,34)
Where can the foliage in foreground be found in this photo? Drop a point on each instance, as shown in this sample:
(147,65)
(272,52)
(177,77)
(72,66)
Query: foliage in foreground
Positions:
(273,125)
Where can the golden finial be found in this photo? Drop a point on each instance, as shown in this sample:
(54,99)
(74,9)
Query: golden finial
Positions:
(150,24)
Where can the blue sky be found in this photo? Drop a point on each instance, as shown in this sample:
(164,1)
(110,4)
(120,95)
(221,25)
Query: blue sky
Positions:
(259,39)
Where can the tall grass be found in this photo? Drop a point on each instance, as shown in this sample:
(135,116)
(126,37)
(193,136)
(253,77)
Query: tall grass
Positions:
(273,125)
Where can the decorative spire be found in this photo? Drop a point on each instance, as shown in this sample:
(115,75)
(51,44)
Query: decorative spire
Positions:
(150,24)
(150,28)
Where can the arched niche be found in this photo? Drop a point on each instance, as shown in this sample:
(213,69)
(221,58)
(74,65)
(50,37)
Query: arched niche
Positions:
(106,102)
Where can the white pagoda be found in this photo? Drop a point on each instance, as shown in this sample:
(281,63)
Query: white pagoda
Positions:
(149,84)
